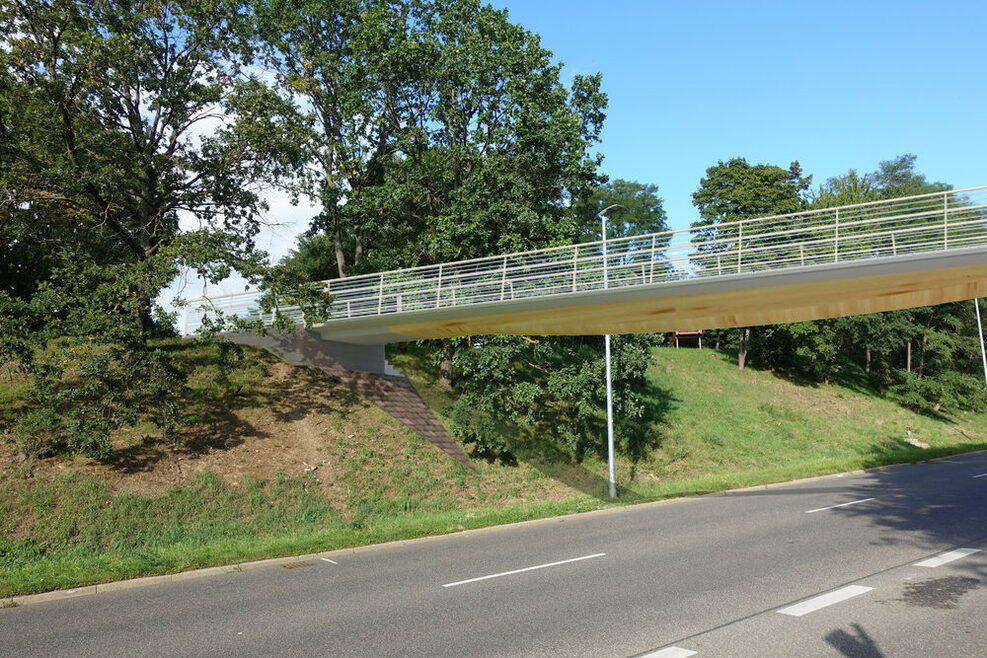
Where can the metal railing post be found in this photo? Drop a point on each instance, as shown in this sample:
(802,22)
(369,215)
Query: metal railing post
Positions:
(380,295)
(894,246)
(575,256)
(836,238)
(651,279)
(503,279)
(740,244)
(945,221)
(438,289)
(802,253)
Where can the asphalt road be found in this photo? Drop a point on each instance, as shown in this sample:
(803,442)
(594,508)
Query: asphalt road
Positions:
(823,567)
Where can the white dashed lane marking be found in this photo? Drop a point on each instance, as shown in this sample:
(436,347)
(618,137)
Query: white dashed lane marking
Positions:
(947,557)
(538,566)
(824,600)
(325,559)
(982,475)
(670,652)
(852,502)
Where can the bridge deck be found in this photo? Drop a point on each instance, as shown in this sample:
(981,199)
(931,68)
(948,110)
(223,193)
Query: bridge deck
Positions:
(824,291)
(865,258)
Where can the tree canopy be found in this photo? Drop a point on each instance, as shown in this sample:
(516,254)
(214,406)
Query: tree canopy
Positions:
(121,123)
(434,131)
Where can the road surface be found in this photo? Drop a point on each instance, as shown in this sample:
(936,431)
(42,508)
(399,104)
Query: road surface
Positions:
(886,563)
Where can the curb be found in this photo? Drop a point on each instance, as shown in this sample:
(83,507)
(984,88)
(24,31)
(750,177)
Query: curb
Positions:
(31,599)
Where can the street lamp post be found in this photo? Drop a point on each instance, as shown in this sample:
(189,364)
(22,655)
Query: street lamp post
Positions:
(980,332)
(606,342)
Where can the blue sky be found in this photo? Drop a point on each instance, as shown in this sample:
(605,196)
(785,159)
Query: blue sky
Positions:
(834,85)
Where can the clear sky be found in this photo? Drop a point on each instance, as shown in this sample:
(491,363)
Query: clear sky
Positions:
(835,85)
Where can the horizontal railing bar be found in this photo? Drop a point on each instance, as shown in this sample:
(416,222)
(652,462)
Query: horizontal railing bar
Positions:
(499,258)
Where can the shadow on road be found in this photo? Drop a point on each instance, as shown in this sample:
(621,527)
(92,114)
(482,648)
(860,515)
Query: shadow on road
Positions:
(857,644)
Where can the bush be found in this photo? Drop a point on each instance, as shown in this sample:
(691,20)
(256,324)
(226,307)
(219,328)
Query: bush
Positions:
(39,433)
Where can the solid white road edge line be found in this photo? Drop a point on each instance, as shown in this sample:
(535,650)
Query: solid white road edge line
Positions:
(540,566)
(670,652)
(982,475)
(325,559)
(813,604)
(948,556)
(854,502)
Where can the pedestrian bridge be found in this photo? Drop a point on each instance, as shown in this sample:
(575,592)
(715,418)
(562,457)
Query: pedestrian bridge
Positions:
(817,264)
(849,260)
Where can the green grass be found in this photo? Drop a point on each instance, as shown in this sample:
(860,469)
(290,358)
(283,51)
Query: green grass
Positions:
(726,421)
(721,429)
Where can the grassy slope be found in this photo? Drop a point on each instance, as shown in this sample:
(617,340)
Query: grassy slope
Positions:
(244,493)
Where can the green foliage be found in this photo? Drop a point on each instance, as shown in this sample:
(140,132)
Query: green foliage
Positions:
(519,395)
(735,190)
(39,433)
(104,111)
(81,394)
(639,210)
(810,349)
(892,179)
(437,131)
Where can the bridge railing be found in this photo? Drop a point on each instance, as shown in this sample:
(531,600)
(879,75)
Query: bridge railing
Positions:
(929,222)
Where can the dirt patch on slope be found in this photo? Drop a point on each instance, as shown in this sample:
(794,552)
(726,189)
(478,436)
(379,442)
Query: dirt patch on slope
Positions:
(300,422)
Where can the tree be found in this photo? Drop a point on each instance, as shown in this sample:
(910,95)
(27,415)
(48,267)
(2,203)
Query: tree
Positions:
(893,179)
(640,210)
(735,191)
(117,119)
(131,126)
(437,131)
(515,391)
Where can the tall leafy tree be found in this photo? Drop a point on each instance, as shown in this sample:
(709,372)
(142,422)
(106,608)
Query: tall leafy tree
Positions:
(436,130)
(638,210)
(133,123)
(735,190)
(118,118)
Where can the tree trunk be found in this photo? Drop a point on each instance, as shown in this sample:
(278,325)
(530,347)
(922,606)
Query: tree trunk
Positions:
(717,339)
(921,356)
(337,243)
(867,365)
(445,363)
(908,358)
(745,334)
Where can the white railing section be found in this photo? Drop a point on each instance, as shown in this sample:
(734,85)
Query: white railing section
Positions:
(929,222)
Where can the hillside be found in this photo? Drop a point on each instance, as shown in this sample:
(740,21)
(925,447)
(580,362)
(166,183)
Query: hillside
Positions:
(280,460)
